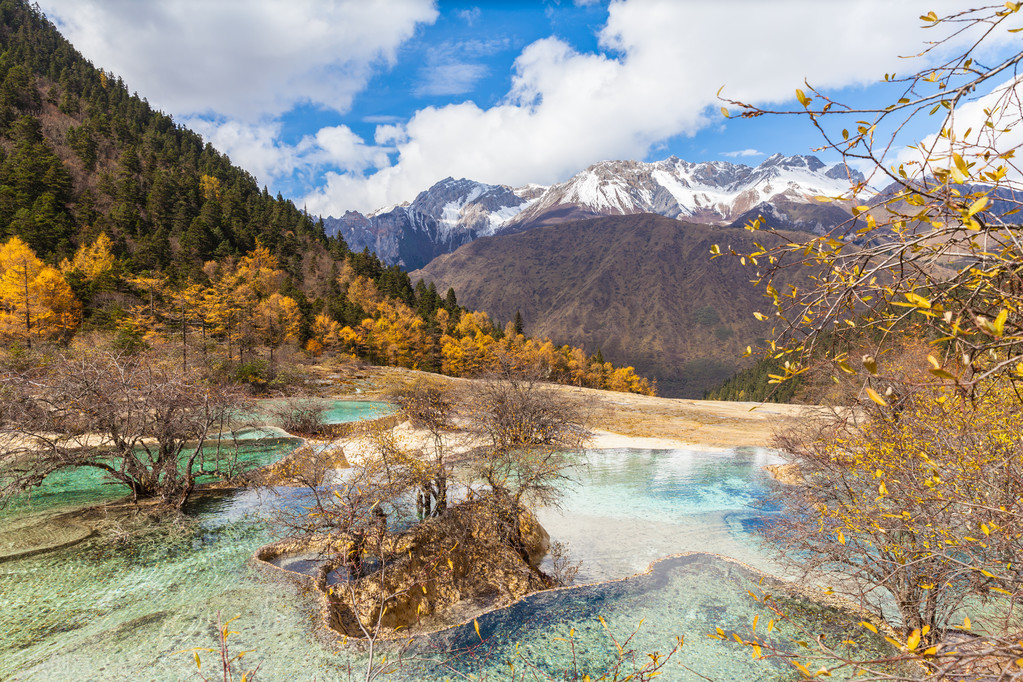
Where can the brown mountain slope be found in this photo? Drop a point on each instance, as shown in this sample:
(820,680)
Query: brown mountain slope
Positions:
(641,288)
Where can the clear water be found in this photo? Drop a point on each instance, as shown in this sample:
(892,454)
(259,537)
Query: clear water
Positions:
(629,508)
(683,597)
(336,412)
(110,612)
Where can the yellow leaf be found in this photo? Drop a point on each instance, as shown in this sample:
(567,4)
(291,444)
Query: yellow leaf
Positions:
(998,326)
(477,626)
(716,250)
(913,641)
(942,374)
(870,364)
(198,663)
(724,112)
(876,397)
(869,626)
(977,206)
(966,623)
(918,301)
(841,537)
(801,96)
(760,316)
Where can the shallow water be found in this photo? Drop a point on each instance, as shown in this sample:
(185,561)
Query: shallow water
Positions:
(101,611)
(335,412)
(630,507)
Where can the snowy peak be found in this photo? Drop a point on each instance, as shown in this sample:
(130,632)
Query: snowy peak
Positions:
(714,192)
(460,205)
(440,219)
(456,211)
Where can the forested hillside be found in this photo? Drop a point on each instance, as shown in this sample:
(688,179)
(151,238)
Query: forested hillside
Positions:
(114,218)
(641,288)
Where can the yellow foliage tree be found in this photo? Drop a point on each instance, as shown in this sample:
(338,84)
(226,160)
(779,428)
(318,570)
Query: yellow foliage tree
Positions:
(326,331)
(35,300)
(276,320)
(397,335)
(92,261)
(258,270)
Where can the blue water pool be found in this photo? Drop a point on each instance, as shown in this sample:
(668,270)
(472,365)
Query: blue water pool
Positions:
(105,611)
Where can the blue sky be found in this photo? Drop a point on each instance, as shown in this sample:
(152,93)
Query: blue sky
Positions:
(358,104)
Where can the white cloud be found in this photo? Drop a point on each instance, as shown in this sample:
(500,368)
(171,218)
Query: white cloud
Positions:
(254,147)
(1002,107)
(449,79)
(742,153)
(470,15)
(242,59)
(567,109)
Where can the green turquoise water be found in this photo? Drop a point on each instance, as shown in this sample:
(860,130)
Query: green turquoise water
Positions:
(106,611)
(335,412)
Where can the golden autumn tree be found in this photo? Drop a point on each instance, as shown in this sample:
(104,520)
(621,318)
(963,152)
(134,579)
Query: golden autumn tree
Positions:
(35,300)
(276,320)
(397,335)
(917,495)
(325,334)
(91,261)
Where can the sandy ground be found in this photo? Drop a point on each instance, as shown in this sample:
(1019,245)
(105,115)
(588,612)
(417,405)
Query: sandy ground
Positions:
(629,420)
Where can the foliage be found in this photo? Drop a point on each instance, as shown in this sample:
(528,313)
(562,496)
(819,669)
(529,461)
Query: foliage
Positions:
(938,248)
(921,503)
(912,501)
(35,301)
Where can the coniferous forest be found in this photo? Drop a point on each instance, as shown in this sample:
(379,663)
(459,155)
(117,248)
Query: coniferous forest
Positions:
(114,218)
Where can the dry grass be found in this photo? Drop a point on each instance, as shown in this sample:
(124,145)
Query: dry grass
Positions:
(708,423)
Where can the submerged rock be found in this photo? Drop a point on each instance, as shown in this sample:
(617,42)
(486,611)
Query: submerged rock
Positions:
(475,557)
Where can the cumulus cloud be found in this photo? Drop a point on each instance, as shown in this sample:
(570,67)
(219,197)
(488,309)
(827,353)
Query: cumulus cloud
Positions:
(656,77)
(235,67)
(246,60)
(254,147)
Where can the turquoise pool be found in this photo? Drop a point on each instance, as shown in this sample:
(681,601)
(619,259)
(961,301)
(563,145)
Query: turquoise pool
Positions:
(125,612)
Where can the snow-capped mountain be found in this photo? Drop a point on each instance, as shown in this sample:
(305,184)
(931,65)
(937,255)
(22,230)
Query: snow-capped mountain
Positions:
(713,192)
(439,220)
(455,212)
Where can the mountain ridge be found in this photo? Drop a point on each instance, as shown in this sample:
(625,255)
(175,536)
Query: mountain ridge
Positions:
(640,288)
(455,212)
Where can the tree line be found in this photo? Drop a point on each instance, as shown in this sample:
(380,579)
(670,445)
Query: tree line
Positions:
(156,235)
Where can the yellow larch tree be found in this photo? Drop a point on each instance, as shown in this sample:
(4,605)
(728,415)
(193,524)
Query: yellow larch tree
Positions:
(35,300)
(91,261)
(276,320)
